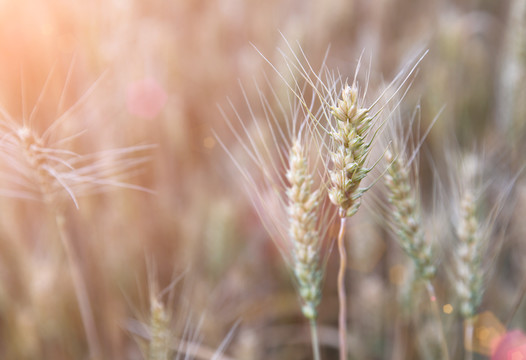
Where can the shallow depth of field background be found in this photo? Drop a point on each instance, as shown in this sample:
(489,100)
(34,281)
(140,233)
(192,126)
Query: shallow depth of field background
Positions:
(160,70)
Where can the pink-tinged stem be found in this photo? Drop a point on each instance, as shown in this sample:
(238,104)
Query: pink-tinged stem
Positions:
(342,297)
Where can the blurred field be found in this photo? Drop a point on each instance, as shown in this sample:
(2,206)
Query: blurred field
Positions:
(153,73)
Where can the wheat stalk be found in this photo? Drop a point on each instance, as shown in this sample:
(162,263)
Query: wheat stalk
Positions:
(282,179)
(40,167)
(303,232)
(468,282)
(348,154)
(405,212)
(37,164)
(473,231)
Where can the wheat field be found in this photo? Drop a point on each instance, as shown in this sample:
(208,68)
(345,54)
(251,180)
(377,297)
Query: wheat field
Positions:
(282,179)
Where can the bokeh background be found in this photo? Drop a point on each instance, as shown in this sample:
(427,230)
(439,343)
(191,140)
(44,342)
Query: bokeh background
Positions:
(156,72)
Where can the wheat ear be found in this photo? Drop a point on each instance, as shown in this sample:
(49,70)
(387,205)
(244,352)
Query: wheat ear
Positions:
(303,218)
(349,152)
(302,211)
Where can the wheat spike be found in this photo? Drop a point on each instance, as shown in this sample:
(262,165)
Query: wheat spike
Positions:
(302,211)
(349,152)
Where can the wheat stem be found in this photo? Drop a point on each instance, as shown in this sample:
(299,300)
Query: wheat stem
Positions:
(315,341)
(342,296)
(468,339)
(436,312)
(81,291)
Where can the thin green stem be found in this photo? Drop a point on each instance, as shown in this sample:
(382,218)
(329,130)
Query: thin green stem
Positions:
(315,341)
(81,291)
(342,297)
(436,312)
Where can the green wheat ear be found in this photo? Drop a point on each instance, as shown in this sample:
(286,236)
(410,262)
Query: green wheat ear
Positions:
(349,151)
(303,218)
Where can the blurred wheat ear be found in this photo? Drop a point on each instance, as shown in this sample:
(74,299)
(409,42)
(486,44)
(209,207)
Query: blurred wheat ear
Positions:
(471,246)
(403,192)
(479,240)
(34,168)
(41,167)
(170,331)
(405,214)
